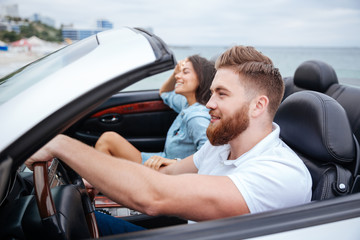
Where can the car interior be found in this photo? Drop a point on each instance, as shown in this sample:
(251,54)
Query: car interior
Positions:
(319,118)
(316,127)
(321,77)
(332,161)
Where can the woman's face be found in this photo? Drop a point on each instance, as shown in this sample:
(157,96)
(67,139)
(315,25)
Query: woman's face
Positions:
(186,80)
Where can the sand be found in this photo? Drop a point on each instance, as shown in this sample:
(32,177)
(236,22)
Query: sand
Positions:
(16,57)
(11,61)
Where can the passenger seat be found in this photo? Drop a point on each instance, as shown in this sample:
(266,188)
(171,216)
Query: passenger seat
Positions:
(316,127)
(321,77)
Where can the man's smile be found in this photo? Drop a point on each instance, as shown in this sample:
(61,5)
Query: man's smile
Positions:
(214,118)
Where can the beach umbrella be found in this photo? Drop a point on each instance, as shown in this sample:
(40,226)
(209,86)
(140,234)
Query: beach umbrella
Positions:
(35,41)
(21,43)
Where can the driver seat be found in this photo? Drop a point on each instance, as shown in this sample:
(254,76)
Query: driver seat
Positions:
(316,127)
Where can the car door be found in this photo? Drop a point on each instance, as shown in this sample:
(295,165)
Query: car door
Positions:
(139,116)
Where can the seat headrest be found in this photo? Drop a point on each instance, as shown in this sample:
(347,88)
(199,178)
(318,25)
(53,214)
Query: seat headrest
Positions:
(315,75)
(315,125)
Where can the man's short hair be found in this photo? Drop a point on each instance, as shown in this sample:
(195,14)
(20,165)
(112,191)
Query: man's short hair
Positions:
(258,72)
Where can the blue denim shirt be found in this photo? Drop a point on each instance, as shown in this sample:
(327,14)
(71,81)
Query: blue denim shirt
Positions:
(188,131)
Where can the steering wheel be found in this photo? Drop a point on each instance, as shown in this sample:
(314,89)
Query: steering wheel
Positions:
(45,203)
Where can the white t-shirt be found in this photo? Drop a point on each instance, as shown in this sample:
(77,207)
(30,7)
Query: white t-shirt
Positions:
(269,176)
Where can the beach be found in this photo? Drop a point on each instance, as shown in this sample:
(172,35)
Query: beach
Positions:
(10,61)
(17,57)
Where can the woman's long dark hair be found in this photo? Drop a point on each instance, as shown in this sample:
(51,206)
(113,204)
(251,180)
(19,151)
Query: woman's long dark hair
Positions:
(205,71)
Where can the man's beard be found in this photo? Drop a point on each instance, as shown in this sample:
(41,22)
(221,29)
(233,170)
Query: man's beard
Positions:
(229,128)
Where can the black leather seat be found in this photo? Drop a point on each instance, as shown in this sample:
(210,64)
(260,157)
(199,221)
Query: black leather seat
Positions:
(349,99)
(311,75)
(321,77)
(316,127)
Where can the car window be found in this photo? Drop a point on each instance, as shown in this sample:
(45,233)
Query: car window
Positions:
(25,77)
(150,83)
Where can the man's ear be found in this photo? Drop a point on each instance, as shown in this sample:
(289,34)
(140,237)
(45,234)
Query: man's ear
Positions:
(259,106)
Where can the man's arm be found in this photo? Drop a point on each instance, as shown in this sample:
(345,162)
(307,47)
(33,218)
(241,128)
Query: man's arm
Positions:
(190,196)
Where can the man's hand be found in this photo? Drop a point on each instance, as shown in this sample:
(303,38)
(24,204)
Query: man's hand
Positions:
(156,162)
(91,190)
(43,154)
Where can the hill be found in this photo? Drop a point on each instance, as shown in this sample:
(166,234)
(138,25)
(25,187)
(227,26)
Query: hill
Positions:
(37,29)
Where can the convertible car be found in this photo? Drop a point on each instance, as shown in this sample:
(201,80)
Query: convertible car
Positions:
(79,91)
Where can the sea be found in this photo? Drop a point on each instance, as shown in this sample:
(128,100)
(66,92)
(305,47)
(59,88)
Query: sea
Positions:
(345,61)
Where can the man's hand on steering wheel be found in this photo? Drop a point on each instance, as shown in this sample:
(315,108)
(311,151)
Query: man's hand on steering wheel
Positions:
(43,154)
(91,190)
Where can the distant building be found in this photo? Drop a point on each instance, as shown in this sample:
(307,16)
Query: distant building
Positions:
(10,25)
(3,26)
(104,24)
(43,19)
(15,28)
(9,10)
(68,32)
(77,34)
(14,24)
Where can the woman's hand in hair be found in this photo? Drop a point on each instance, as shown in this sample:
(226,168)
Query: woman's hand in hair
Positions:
(169,84)
(178,67)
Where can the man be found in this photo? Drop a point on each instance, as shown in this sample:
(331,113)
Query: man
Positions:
(244,168)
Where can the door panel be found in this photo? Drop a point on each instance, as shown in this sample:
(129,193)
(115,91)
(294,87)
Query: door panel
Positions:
(141,117)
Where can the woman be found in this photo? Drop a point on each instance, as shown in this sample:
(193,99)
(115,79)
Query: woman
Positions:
(186,92)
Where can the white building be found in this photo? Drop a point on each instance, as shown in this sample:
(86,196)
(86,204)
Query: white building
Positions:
(9,10)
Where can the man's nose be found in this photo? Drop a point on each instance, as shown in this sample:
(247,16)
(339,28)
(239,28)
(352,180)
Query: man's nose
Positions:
(211,104)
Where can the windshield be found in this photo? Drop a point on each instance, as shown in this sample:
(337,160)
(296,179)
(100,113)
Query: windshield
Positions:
(23,78)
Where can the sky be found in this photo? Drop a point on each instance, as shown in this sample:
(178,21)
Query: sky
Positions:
(317,23)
